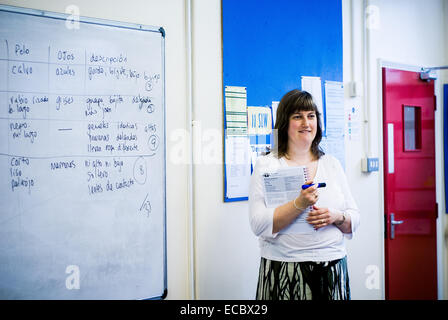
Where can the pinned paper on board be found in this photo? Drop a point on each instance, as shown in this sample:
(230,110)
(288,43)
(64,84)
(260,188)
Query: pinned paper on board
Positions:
(237,146)
(238,166)
(333,143)
(313,85)
(236,113)
(259,120)
(274,111)
(260,131)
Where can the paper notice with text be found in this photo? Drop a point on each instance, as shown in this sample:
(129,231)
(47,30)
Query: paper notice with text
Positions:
(282,186)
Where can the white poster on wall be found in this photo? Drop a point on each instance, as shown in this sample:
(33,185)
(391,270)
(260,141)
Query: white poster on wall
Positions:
(313,85)
(333,143)
(238,161)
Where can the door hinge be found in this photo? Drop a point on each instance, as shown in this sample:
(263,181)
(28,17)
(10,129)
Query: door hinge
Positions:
(435,103)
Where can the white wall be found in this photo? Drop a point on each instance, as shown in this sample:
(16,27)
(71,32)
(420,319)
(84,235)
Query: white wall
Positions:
(171,15)
(227,254)
(365,249)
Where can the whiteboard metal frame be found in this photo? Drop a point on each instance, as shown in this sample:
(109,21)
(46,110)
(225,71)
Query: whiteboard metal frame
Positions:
(131,26)
(95,21)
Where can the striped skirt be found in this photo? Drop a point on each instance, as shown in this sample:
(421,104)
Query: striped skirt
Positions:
(279,280)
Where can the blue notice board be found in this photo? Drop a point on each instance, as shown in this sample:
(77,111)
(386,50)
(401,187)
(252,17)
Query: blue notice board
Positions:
(269,45)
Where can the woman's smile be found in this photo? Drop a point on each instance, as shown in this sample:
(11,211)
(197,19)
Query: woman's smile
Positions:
(302,124)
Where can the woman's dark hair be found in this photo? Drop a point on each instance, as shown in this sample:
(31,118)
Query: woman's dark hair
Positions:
(293,102)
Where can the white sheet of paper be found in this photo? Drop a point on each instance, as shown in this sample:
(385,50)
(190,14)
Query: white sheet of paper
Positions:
(313,85)
(334,142)
(238,161)
(284,185)
(236,111)
(274,110)
(259,120)
(335,111)
(353,114)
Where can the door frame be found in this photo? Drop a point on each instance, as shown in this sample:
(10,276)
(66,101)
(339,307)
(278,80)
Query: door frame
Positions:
(438,126)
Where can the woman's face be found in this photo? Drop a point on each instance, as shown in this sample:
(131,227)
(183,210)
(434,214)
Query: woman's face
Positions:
(302,128)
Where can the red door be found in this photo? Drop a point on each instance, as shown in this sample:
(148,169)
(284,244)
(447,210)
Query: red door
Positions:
(409,186)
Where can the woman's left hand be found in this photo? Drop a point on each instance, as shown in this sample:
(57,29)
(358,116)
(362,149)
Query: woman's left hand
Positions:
(321,217)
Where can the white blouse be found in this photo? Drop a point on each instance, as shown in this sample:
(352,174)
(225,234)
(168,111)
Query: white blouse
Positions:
(324,244)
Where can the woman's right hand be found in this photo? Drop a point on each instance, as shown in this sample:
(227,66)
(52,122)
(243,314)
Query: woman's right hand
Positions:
(284,215)
(307,197)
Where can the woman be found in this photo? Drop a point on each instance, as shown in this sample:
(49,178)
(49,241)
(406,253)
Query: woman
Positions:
(308,262)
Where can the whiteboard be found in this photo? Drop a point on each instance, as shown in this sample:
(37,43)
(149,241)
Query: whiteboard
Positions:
(82,158)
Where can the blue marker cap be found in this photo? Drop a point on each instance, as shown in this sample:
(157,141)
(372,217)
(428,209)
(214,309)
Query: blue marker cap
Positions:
(319,185)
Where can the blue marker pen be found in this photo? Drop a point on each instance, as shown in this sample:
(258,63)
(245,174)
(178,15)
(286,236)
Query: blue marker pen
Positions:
(319,185)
